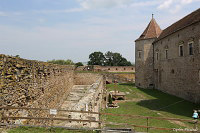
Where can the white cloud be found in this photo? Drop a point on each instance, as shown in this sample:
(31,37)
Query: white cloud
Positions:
(3,14)
(146,3)
(41,20)
(186,1)
(98,4)
(64,40)
(166,4)
(59,11)
(175,5)
(101,4)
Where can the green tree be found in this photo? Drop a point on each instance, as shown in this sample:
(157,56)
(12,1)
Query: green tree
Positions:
(69,62)
(109,59)
(79,64)
(96,58)
(61,62)
(17,56)
(116,59)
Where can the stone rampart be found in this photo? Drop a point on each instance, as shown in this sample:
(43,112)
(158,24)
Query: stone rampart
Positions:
(85,78)
(32,83)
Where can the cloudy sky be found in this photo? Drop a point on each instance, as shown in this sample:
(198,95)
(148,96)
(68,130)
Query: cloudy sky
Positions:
(72,29)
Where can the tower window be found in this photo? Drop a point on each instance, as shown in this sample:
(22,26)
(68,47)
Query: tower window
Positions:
(180,50)
(199,45)
(199,75)
(172,71)
(190,48)
(139,54)
(156,55)
(166,53)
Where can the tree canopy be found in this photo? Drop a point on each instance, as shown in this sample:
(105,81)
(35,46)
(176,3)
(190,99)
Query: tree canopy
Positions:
(96,58)
(79,64)
(61,62)
(109,59)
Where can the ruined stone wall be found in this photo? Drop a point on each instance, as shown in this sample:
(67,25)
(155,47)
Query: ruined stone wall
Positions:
(26,83)
(85,98)
(130,76)
(114,68)
(120,77)
(144,65)
(179,75)
(85,78)
(98,68)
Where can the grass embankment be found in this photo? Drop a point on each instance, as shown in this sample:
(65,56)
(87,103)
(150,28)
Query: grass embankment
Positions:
(45,130)
(154,103)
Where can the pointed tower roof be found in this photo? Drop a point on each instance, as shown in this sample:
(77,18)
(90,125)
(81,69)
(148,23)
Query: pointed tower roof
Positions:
(152,31)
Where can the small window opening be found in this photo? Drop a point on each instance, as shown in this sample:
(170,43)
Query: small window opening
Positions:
(181,50)
(156,55)
(139,54)
(172,71)
(166,53)
(199,76)
(199,45)
(190,48)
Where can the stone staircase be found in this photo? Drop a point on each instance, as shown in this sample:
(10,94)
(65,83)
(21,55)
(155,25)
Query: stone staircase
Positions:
(79,99)
(76,94)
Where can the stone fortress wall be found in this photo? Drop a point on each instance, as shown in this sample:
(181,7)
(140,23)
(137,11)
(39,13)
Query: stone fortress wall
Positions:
(85,78)
(172,64)
(32,83)
(144,65)
(89,94)
(114,68)
(179,75)
(97,68)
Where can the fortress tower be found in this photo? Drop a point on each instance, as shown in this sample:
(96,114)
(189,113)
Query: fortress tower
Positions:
(144,55)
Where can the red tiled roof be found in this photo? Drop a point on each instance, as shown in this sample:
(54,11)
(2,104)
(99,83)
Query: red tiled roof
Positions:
(152,31)
(184,22)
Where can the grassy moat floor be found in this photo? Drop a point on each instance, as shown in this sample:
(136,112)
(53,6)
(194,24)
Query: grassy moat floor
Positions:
(150,102)
(144,102)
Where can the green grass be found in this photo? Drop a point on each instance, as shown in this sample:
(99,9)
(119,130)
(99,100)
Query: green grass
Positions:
(45,130)
(146,102)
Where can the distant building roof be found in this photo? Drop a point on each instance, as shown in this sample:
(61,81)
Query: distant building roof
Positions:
(188,20)
(152,31)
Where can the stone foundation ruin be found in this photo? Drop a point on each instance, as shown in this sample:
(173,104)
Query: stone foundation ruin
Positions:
(34,84)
